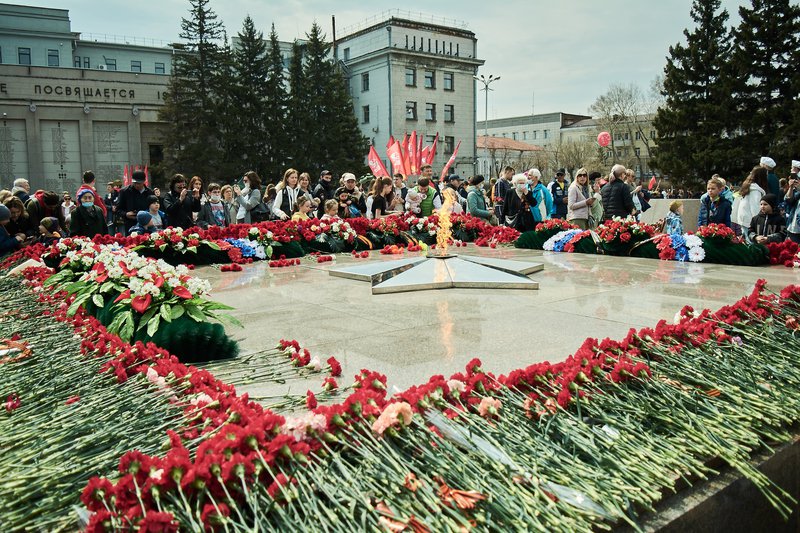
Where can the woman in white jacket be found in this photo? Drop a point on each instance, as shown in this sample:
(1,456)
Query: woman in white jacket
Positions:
(748,205)
(286,195)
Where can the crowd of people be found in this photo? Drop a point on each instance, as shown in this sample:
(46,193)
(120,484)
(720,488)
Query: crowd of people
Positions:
(764,209)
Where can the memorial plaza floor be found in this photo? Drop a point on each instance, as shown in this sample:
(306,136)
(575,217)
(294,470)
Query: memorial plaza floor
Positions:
(410,336)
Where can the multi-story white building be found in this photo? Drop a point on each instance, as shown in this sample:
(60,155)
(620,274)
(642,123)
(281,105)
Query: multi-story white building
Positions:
(73,101)
(410,75)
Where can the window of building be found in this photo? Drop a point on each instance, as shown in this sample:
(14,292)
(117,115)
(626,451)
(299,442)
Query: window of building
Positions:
(505,135)
(535,134)
(430,112)
(136,66)
(429,139)
(524,135)
(406,41)
(365,113)
(77,62)
(638,135)
(411,77)
(411,110)
(1,54)
(430,79)
(546,134)
(449,113)
(449,145)
(87,62)
(627,135)
(450,50)
(24,56)
(429,45)
(160,68)
(437,45)
(449,79)
(365,82)
(456,49)
(514,135)
(347,54)
(652,134)
(52,58)
(638,151)
(618,136)
(111,64)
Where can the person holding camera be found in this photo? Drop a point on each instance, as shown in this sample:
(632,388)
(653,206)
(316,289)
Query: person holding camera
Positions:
(792,200)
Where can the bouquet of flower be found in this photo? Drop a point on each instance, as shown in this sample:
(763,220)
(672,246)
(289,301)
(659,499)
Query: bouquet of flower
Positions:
(619,231)
(718,231)
(554,225)
(544,230)
(784,253)
(723,246)
(493,235)
(680,247)
(557,242)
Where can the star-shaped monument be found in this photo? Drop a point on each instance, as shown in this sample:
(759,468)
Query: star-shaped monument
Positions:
(442,272)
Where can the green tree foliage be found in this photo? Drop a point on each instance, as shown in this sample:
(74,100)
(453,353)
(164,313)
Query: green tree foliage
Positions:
(190,103)
(275,94)
(228,108)
(766,62)
(695,124)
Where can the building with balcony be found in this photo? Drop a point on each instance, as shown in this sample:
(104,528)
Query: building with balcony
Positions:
(412,74)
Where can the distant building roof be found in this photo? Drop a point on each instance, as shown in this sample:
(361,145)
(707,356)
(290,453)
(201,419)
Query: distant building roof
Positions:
(504,143)
(585,123)
(564,119)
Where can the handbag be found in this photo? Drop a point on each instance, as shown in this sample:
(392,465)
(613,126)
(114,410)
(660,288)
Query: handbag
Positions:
(259,213)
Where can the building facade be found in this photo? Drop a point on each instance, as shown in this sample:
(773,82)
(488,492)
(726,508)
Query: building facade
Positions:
(71,102)
(570,141)
(406,76)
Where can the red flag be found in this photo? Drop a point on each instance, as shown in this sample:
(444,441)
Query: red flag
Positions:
(412,153)
(404,154)
(146,177)
(433,149)
(449,162)
(375,164)
(419,151)
(125,177)
(425,156)
(395,157)
(652,184)
(391,141)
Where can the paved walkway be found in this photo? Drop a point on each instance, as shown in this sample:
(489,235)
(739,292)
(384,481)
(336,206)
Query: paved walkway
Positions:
(411,336)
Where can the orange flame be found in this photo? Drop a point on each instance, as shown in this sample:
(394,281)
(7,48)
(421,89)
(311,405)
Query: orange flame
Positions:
(443,234)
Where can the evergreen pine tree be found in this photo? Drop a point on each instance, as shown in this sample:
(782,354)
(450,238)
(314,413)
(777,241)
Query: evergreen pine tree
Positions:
(765,57)
(299,135)
(275,93)
(247,136)
(191,140)
(694,124)
(335,142)
(229,116)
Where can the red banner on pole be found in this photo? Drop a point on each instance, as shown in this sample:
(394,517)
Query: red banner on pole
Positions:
(125,177)
(404,155)
(396,158)
(375,164)
(391,141)
(432,155)
(450,162)
(412,153)
(425,156)
(652,184)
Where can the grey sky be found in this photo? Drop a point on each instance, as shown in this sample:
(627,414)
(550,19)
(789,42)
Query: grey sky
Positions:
(553,55)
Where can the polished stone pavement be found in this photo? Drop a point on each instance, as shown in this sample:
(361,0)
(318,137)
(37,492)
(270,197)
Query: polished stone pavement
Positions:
(410,336)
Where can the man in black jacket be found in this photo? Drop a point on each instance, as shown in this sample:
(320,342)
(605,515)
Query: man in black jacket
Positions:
(133,198)
(179,203)
(323,191)
(617,201)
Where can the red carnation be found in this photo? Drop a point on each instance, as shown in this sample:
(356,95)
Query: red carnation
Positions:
(336,367)
(311,400)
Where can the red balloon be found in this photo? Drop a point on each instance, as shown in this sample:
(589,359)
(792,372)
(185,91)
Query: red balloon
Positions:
(604,139)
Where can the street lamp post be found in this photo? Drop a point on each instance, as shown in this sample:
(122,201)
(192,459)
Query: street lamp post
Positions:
(486,82)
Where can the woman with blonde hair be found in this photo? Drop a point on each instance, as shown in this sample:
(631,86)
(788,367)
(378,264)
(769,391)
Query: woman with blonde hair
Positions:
(286,194)
(579,200)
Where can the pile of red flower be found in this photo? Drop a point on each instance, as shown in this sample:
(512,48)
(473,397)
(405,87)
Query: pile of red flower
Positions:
(624,231)
(784,253)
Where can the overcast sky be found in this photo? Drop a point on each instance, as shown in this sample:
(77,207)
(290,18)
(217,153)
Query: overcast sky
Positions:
(551,55)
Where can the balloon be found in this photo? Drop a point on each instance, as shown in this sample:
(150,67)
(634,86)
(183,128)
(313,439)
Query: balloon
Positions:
(604,138)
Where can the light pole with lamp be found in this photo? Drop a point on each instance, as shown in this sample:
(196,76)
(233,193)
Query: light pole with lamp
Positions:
(486,82)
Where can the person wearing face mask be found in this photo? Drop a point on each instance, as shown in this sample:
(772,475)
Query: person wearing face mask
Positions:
(87,219)
(544,200)
(214,212)
(248,198)
(518,203)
